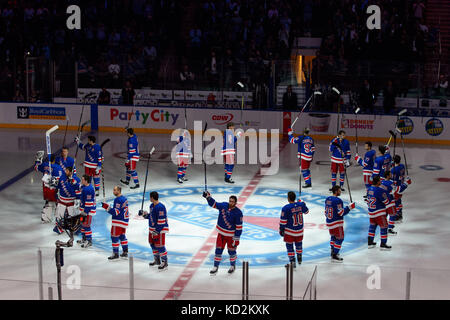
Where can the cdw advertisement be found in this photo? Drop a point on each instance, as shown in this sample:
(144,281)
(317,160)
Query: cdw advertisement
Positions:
(164,117)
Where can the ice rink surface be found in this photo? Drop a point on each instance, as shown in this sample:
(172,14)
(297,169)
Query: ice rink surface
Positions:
(421,245)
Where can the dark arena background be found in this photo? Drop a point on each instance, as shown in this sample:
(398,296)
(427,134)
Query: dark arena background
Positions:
(250,98)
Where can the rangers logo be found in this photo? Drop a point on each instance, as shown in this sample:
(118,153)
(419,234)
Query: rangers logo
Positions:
(192,221)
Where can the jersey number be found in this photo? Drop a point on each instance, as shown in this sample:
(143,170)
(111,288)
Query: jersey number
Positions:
(307,147)
(329,212)
(297,219)
(372,201)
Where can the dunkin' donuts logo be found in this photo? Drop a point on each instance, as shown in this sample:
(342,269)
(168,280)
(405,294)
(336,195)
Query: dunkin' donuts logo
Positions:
(191,221)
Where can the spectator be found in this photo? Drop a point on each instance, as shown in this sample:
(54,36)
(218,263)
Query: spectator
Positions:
(128,94)
(18,97)
(186,77)
(441,86)
(367,97)
(211,69)
(289,99)
(114,71)
(389,94)
(104,97)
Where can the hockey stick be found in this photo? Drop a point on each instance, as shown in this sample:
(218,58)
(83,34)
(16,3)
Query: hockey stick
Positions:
(49,146)
(307,102)
(240,84)
(203,156)
(356,128)
(138,96)
(345,172)
(146,174)
(65,132)
(403,146)
(79,136)
(103,168)
(339,109)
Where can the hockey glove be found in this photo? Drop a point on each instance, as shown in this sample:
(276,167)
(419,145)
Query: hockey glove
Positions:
(53,182)
(351,206)
(346,163)
(127,165)
(282,232)
(235,242)
(408,180)
(97,170)
(143,213)
(357,158)
(39,156)
(206,194)
(105,206)
(290,131)
(155,234)
(77,140)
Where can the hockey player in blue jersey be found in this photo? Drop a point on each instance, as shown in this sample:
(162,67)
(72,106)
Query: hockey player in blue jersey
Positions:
(229,150)
(229,227)
(340,157)
(132,159)
(379,163)
(119,223)
(52,172)
(291,227)
(399,178)
(158,226)
(68,192)
(334,214)
(93,160)
(367,164)
(65,161)
(183,154)
(88,209)
(379,204)
(305,153)
(388,185)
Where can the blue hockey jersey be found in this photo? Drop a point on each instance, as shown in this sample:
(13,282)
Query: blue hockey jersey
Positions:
(367,162)
(119,212)
(68,189)
(44,168)
(94,155)
(338,154)
(291,219)
(378,167)
(387,161)
(229,142)
(65,163)
(335,212)
(229,222)
(87,200)
(398,174)
(378,201)
(157,219)
(133,148)
(183,148)
(306,147)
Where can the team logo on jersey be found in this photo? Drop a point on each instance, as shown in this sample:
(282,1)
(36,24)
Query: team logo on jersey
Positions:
(406,125)
(434,127)
(191,222)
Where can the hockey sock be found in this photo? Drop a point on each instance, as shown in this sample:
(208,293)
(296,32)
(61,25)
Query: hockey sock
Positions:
(87,234)
(184,171)
(306,176)
(228,171)
(332,243)
(128,177)
(233,257)
(83,236)
(341,179)
(333,179)
(383,235)
(135,176)
(115,244)
(123,242)
(97,183)
(218,257)
(337,245)
(155,251)
(180,173)
(372,228)
(392,219)
(299,249)
(162,253)
(290,251)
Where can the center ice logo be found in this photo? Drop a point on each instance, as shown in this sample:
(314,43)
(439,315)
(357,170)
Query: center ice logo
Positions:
(191,221)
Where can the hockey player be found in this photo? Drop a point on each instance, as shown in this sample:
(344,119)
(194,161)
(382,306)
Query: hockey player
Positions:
(340,156)
(379,205)
(291,227)
(334,213)
(388,185)
(305,154)
(68,193)
(132,159)
(88,209)
(65,161)
(49,183)
(119,224)
(367,164)
(379,163)
(183,155)
(229,150)
(229,227)
(398,176)
(158,225)
(93,160)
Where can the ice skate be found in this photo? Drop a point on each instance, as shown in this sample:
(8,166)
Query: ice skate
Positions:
(114,257)
(214,270)
(155,262)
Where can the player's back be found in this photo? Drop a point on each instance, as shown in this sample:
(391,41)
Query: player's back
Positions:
(292,215)
(334,212)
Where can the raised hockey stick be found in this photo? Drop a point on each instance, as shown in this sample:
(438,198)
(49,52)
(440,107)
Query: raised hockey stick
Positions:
(203,156)
(146,175)
(403,146)
(49,145)
(304,106)
(356,128)
(103,168)
(79,136)
(240,84)
(65,132)
(138,96)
